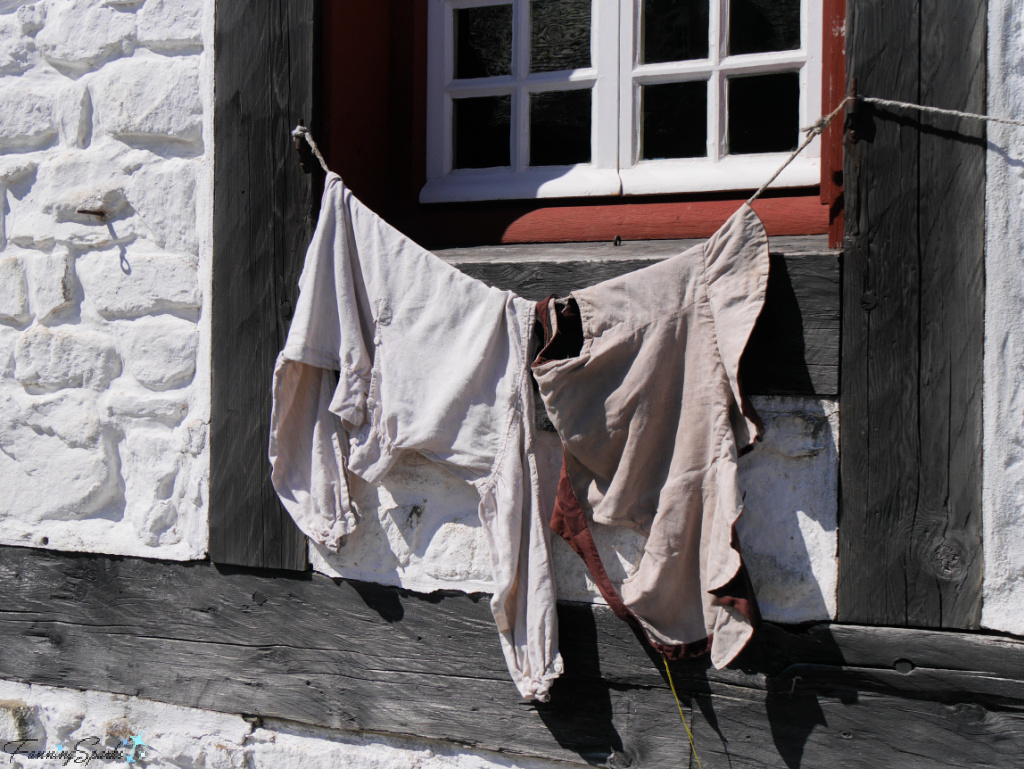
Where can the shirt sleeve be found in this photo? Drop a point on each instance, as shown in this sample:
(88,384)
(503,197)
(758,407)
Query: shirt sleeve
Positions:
(307,453)
(321,380)
(516,519)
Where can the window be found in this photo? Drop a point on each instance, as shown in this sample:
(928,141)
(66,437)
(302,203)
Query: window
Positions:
(555,98)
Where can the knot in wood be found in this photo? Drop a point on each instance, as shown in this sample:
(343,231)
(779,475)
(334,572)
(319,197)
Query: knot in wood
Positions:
(948,559)
(868,302)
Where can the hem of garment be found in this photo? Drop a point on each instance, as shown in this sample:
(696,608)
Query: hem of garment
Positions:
(539,687)
(570,522)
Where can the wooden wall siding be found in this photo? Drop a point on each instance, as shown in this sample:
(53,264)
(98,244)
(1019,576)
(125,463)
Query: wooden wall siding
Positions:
(795,345)
(262,223)
(913,276)
(357,656)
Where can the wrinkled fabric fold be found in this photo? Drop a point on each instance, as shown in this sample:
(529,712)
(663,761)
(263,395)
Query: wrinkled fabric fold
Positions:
(640,377)
(392,350)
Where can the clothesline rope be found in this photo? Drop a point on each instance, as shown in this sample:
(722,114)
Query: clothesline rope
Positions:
(303,132)
(821,123)
(938,110)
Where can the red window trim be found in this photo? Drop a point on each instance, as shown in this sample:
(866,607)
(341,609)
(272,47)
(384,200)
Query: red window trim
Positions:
(372,117)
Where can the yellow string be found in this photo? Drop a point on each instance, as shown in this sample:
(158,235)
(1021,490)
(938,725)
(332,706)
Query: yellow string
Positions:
(679,705)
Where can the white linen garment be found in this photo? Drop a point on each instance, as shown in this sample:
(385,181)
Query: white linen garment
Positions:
(391,350)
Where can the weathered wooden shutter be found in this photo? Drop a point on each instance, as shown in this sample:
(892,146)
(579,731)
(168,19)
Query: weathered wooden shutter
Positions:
(264,53)
(913,280)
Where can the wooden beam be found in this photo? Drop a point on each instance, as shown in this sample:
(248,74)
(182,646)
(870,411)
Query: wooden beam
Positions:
(357,656)
(795,345)
(262,222)
(910,539)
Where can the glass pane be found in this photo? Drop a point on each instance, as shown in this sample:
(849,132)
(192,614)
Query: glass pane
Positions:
(756,26)
(560,128)
(480,128)
(483,41)
(674,30)
(675,122)
(559,35)
(764,113)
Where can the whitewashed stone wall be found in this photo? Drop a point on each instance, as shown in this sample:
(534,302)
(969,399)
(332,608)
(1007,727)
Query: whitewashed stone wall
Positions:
(105,105)
(1003,494)
(48,718)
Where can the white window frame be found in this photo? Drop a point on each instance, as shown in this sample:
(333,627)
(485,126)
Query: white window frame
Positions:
(614,168)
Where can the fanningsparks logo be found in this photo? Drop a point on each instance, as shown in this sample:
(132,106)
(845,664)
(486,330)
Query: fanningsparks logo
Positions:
(131,750)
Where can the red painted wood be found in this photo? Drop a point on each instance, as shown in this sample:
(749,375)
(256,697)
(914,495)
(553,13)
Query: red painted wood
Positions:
(833,89)
(354,121)
(630,220)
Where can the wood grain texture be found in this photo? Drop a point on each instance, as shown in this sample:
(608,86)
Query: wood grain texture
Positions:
(356,656)
(910,539)
(262,223)
(795,345)
(947,529)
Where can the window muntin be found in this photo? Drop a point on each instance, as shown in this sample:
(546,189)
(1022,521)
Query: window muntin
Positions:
(639,67)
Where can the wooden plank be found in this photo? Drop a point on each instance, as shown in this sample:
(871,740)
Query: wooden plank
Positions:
(631,218)
(356,656)
(910,540)
(794,348)
(947,529)
(262,222)
(880,455)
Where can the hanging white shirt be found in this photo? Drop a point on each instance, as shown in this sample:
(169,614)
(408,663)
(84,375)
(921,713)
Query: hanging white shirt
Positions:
(390,350)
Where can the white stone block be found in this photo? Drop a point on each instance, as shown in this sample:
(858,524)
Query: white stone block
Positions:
(31,16)
(170,24)
(164,195)
(150,461)
(13,291)
(53,285)
(8,339)
(152,98)
(154,282)
(66,356)
(124,404)
(74,115)
(16,48)
(26,116)
(57,463)
(79,35)
(15,168)
(160,352)
(92,179)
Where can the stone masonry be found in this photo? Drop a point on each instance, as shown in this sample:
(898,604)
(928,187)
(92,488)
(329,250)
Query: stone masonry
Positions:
(46,718)
(105,221)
